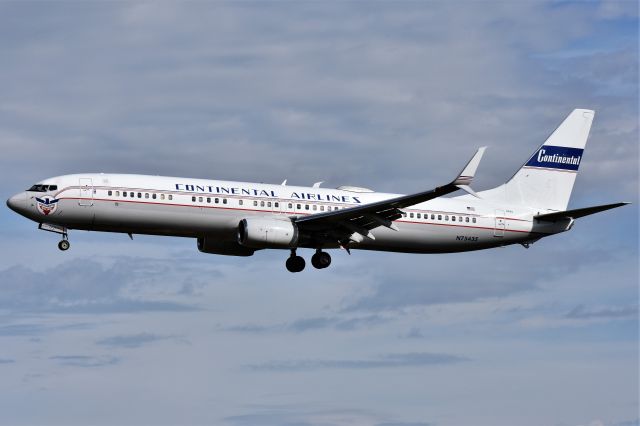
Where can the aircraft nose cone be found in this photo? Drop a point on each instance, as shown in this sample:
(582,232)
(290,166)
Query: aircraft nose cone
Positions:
(16,203)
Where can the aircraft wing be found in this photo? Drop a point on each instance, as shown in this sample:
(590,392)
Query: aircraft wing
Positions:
(574,214)
(356,222)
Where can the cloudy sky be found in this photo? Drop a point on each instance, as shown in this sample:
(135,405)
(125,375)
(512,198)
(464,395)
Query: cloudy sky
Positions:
(389,95)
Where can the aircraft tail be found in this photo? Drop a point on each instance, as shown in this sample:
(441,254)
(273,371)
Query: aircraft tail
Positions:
(546,179)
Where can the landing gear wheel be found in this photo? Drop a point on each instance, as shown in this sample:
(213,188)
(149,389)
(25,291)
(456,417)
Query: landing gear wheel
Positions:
(321,259)
(64,245)
(295,263)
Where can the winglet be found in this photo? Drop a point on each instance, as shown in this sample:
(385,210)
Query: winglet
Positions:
(466,175)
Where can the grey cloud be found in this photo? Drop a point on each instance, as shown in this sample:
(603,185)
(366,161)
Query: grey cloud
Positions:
(417,359)
(250,328)
(338,323)
(33,329)
(132,340)
(635,422)
(481,275)
(299,416)
(7,361)
(85,360)
(615,312)
(415,333)
(404,424)
(84,286)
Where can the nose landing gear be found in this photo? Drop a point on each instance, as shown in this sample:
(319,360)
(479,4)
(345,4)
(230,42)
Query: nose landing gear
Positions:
(64,245)
(57,229)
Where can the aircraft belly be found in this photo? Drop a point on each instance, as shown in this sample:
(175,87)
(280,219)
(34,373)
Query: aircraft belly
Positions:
(430,238)
(162,219)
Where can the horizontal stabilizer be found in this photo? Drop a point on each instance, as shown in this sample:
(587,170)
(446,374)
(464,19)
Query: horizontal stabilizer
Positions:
(574,214)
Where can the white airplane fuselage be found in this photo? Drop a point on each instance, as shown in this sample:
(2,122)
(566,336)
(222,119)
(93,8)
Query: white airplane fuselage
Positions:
(195,208)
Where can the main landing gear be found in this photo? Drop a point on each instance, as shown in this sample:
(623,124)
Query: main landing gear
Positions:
(319,260)
(295,263)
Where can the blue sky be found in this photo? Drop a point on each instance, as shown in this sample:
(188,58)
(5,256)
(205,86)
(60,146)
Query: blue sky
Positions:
(389,95)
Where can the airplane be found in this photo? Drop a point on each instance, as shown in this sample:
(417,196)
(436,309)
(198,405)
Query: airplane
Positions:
(239,218)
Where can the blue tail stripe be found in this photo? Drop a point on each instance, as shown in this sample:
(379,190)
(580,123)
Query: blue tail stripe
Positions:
(556,157)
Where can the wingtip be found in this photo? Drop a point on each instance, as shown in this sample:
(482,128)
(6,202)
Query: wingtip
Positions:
(466,175)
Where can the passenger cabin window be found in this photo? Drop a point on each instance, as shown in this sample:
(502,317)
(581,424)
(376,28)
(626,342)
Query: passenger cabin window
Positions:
(200,199)
(411,215)
(276,204)
(290,205)
(261,203)
(224,201)
(473,220)
(209,200)
(117,193)
(131,194)
(418,215)
(433,216)
(124,194)
(146,195)
(170,197)
(466,219)
(240,202)
(306,206)
(139,195)
(453,218)
(439,217)
(110,193)
(193,199)
(162,196)
(153,196)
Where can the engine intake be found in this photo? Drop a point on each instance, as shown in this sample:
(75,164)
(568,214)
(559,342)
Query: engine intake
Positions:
(267,233)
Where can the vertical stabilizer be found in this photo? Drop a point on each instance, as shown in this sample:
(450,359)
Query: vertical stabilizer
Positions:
(546,179)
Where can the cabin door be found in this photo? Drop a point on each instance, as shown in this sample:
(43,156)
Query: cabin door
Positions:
(86,192)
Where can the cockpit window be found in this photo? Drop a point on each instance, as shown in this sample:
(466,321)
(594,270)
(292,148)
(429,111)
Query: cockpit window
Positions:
(37,188)
(42,188)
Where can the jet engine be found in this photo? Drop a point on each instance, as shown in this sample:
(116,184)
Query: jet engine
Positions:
(215,246)
(267,233)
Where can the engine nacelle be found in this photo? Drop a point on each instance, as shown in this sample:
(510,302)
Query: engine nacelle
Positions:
(267,233)
(229,248)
